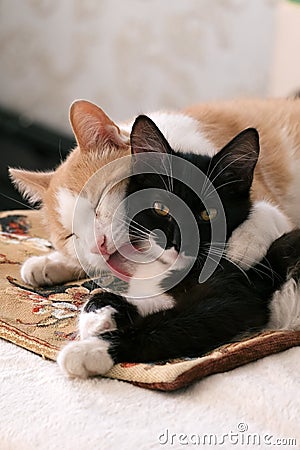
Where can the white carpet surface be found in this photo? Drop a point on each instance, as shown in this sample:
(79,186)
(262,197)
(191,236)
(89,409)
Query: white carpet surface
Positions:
(42,410)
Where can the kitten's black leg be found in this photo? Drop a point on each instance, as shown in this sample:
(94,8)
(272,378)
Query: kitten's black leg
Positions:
(90,356)
(190,332)
(284,255)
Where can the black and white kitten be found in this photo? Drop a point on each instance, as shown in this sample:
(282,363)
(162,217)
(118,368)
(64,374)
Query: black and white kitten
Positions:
(183,317)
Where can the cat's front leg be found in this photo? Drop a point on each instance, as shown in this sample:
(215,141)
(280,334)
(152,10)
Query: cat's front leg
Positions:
(50,269)
(104,312)
(250,242)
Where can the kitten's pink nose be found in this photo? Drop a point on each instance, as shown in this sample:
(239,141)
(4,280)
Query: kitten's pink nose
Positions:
(101,246)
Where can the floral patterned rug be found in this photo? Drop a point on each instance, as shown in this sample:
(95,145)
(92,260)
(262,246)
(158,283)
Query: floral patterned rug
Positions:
(43,319)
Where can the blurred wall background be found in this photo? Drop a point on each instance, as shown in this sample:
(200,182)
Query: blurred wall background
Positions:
(131,56)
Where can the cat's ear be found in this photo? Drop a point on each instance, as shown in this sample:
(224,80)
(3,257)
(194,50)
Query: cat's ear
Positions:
(32,185)
(147,137)
(93,129)
(234,165)
(149,148)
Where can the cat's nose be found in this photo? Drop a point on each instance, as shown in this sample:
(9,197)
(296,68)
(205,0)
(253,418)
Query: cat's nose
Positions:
(101,246)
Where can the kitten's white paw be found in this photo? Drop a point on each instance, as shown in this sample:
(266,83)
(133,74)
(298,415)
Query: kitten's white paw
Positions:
(82,359)
(97,322)
(46,270)
(250,242)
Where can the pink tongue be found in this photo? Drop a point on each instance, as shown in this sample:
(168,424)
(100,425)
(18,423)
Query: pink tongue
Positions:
(121,263)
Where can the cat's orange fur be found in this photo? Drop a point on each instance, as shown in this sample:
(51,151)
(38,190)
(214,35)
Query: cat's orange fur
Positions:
(101,141)
(278,124)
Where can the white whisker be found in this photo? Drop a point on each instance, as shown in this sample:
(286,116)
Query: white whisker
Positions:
(226,167)
(216,253)
(215,189)
(17,201)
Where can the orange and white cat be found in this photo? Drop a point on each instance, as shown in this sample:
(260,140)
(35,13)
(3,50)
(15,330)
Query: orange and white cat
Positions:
(203,129)
(100,142)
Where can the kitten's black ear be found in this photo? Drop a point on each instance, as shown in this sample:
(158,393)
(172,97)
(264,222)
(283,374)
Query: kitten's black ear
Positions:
(234,165)
(147,137)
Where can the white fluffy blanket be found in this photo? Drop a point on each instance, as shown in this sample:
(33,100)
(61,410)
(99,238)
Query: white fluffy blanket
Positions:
(42,410)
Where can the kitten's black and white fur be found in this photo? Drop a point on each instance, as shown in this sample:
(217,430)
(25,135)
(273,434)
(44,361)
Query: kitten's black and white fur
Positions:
(191,318)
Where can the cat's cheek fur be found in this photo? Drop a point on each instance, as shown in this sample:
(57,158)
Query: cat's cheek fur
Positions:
(85,358)
(80,218)
(249,242)
(77,216)
(66,202)
(50,269)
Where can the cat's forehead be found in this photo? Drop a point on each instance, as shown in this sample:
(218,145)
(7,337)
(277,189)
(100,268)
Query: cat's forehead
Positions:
(185,174)
(87,171)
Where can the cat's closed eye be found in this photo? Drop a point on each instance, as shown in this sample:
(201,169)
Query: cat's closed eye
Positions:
(208,214)
(161,209)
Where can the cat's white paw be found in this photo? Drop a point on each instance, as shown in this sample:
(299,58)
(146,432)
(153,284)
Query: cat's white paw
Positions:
(86,358)
(97,322)
(46,270)
(247,248)
(250,242)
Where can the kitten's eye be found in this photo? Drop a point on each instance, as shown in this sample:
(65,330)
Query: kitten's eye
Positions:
(161,209)
(208,214)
